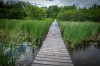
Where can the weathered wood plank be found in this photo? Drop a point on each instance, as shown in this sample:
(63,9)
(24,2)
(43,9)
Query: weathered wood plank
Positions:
(40,65)
(53,63)
(54,54)
(57,57)
(36,64)
(53,60)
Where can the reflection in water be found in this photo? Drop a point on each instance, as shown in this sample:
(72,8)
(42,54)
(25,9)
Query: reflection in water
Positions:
(21,55)
(26,58)
(89,55)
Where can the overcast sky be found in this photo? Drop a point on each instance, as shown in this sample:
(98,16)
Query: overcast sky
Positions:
(80,3)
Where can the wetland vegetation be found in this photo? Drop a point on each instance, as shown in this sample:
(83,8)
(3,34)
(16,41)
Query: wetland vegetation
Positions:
(23,22)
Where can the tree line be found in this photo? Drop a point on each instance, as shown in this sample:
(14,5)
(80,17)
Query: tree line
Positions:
(80,14)
(21,10)
(25,10)
(73,13)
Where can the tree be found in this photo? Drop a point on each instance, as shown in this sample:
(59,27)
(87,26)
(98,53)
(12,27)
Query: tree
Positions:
(42,13)
(53,11)
(11,9)
(35,12)
(68,15)
(81,14)
(17,11)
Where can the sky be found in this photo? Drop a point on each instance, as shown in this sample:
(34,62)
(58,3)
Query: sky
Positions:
(79,3)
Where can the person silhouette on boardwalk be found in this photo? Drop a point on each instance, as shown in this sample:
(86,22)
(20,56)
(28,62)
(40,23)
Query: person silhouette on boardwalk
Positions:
(54,26)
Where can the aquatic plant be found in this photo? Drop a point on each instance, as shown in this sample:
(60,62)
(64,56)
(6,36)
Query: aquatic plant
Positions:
(74,33)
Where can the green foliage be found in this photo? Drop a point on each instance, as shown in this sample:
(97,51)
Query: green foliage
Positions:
(81,14)
(3,13)
(12,10)
(29,9)
(5,60)
(15,14)
(68,15)
(11,30)
(15,32)
(35,12)
(53,11)
(25,10)
(75,32)
(35,30)
(69,7)
(42,13)
(96,13)
(20,10)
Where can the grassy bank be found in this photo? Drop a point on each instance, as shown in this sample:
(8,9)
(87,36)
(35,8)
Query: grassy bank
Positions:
(22,30)
(75,33)
(15,32)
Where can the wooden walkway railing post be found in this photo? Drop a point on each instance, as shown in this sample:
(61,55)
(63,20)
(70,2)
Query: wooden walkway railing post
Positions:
(53,51)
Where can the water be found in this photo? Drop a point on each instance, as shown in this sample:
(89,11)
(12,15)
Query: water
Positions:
(26,58)
(86,56)
(22,55)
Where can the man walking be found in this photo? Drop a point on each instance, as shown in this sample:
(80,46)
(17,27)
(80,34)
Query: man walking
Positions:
(54,26)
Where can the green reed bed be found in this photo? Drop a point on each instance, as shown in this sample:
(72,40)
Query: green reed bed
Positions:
(15,32)
(76,32)
(35,30)
(28,29)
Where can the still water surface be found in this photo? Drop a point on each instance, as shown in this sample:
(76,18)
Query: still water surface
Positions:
(86,56)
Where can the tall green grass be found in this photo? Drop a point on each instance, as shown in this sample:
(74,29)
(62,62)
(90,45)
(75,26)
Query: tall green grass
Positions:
(24,29)
(15,32)
(35,30)
(75,33)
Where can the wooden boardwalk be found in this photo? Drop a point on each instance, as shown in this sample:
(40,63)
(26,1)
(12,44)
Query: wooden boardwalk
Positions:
(53,52)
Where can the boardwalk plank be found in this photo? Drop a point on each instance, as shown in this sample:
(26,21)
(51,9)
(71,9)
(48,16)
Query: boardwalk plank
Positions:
(52,63)
(54,54)
(57,57)
(35,64)
(53,60)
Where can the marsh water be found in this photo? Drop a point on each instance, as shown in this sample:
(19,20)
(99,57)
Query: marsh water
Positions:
(26,58)
(88,55)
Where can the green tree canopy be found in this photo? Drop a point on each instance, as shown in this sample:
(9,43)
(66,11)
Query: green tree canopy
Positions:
(53,11)
(35,12)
